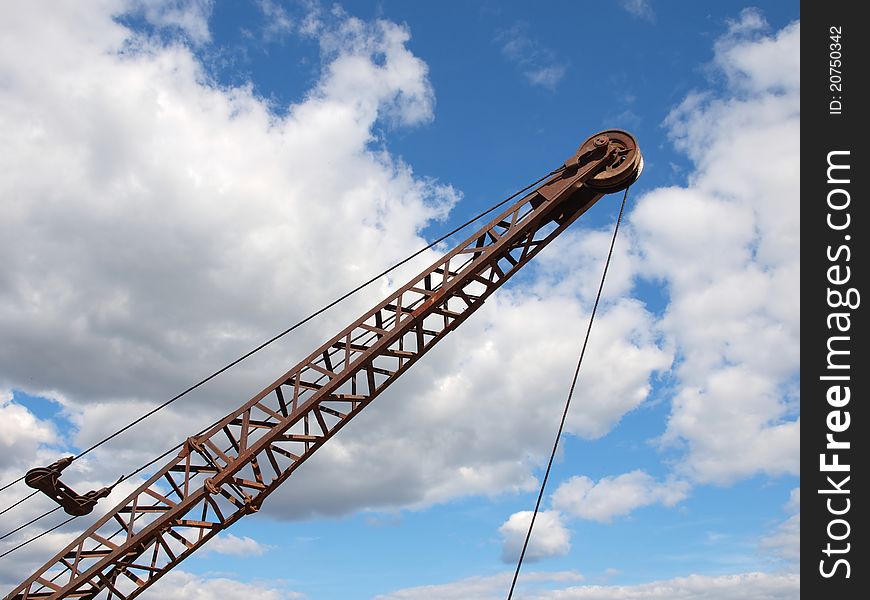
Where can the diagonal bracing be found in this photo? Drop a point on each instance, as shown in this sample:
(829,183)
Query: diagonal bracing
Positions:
(227,472)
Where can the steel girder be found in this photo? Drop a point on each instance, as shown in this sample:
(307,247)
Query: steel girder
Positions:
(227,472)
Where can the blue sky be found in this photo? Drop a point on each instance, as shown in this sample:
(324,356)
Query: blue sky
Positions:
(184,179)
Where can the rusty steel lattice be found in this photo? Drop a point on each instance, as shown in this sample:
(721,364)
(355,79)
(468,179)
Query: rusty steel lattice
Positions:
(227,472)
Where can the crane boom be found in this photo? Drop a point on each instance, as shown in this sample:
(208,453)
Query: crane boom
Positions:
(226,472)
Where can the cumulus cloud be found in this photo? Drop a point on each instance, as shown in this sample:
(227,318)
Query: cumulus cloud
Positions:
(21,434)
(756,61)
(450,426)
(180,585)
(184,222)
(727,246)
(748,586)
(549,537)
(398,89)
(42,544)
(615,496)
(16,567)
(232,545)
(580,496)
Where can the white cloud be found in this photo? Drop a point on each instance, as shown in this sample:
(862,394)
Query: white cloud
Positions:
(641,9)
(189,17)
(180,585)
(757,62)
(615,496)
(21,434)
(785,541)
(232,545)
(549,536)
(278,21)
(15,567)
(745,586)
(539,64)
(184,222)
(729,423)
(450,427)
(490,587)
(727,246)
(794,501)
(547,77)
(372,70)
(41,545)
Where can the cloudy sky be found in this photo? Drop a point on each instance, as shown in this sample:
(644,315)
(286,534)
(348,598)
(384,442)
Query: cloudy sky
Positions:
(181,180)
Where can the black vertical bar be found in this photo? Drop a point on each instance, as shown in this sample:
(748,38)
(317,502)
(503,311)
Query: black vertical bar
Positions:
(834,223)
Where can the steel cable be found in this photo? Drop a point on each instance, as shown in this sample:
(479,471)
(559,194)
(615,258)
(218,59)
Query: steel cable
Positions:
(248,355)
(568,400)
(17,502)
(36,537)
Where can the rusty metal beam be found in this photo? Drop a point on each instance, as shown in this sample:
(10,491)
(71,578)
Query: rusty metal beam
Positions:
(227,472)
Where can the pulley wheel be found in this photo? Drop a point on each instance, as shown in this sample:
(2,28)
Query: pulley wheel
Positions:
(625,166)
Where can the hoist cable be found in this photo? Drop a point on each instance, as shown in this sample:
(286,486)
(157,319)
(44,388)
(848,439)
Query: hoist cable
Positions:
(122,478)
(37,536)
(304,321)
(20,501)
(45,514)
(568,400)
(368,337)
(30,522)
(260,347)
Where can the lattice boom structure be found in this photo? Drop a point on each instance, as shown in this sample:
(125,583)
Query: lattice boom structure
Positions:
(227,472)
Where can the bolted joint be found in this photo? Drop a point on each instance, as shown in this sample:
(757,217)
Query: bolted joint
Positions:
(250,506)
(211,487)
(594,148)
